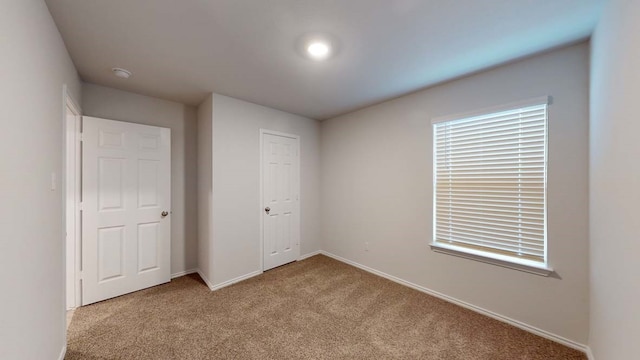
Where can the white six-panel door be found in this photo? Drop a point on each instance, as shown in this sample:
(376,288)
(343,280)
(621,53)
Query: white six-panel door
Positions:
(126,202)
(281,201)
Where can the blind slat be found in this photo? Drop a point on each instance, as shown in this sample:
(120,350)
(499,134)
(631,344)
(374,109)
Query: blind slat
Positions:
(490,245)
(524,225)
(497,216)
(523,214)
(485,200)
(525,208)
(474,153)
(465,123)
(473,198)
(516,234)
(444,161)
(451,136)
(471,237)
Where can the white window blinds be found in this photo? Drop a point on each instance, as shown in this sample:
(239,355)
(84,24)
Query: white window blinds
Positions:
(490,183)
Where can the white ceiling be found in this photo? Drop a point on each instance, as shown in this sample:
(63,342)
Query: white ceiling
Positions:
(182,50)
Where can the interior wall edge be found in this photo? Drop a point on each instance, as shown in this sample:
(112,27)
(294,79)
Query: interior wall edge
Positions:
(235,280)
(206,280)
(183,273)
(308,255)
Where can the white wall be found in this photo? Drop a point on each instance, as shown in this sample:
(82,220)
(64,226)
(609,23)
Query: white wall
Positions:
(615,183)
(205,188)
(236,183)
(109,103)
(377,187)
(34,65)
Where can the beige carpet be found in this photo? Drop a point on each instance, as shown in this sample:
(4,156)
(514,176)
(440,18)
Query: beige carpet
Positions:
(318,308)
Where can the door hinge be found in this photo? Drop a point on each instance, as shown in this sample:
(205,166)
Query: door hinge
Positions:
(80,206)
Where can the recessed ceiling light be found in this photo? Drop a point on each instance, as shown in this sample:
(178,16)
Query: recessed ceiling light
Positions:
(317,46)
(319,50)
(121,73)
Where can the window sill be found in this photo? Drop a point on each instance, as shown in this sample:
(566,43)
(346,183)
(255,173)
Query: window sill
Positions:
(495,259)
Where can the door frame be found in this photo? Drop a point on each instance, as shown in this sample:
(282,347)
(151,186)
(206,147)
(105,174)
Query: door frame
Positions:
(297,188)
(71,175)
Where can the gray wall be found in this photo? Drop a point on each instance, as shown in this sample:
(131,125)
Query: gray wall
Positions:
(34,65)
(615,183)
(376,186)
(108,103)
(236,183)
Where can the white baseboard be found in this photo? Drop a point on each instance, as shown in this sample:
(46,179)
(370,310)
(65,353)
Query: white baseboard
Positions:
(589,353)
(235,280)
(206,281)
(306,256)
(63,352)
(532,329)
(183,273)
(239,278)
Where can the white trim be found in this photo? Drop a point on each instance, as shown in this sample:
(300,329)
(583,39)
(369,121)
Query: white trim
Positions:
(306,256)
(183,273)
(72,171)
(261,199)
(235,280)
(299,196)
(63,352)
(206,281)
(589,353)
(71,101)
(495,259)
(68,102)
(279,133)
(532,329)
(493,109)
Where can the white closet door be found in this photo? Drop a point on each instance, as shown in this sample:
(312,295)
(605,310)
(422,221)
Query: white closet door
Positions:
(280,189)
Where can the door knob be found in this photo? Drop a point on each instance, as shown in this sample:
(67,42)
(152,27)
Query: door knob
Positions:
(267,209)
(164,214)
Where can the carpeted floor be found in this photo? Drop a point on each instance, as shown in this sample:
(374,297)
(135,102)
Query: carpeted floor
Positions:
(318,308)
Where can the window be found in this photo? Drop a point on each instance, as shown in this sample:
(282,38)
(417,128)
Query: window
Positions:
(490,186)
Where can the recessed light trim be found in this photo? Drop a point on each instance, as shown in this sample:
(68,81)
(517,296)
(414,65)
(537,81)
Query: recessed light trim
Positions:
(121,73)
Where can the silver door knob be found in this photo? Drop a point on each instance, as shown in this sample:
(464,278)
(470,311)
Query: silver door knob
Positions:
(267,209)
(164,214)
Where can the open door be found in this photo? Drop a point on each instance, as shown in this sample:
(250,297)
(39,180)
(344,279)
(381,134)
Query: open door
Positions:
(126,201)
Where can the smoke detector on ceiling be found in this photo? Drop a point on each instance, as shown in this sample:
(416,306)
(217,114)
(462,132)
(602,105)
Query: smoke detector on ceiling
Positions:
(121,73)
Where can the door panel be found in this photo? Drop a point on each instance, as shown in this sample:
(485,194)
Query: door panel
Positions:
(148,246)
(280,176)
(110,253)
(110,183)
(125,189)
(148,191)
